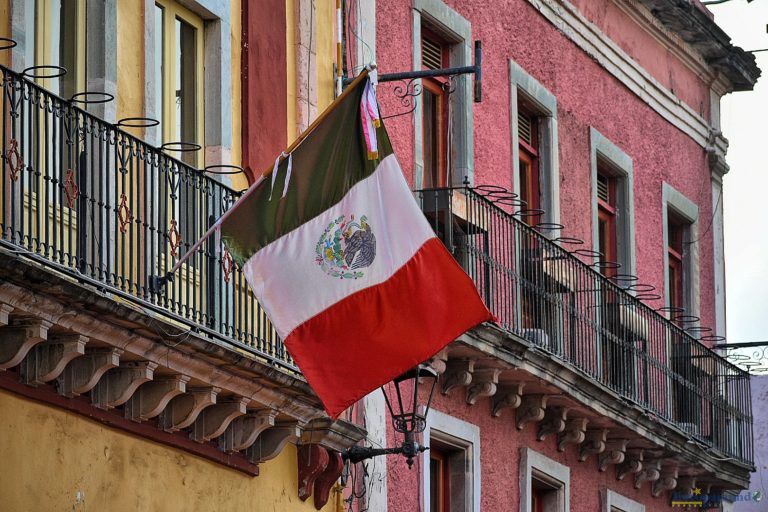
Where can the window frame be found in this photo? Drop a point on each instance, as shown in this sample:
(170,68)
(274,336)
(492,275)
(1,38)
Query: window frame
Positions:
(687,213)
(535,466)
(611,500)
(436,87)
(527,94)
(458,435)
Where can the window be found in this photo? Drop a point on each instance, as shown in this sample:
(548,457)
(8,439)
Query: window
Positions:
(606,221)
(536,174)
(453,464)
(60,41)
(544,483)
(179,66)
(443,140)
(434,111)
(615,502)
(679,216)
(676,228)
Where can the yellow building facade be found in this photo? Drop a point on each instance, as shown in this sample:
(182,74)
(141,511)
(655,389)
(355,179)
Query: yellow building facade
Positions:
(113,397)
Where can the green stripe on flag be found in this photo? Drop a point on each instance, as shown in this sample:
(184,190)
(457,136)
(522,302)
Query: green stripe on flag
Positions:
(330,161)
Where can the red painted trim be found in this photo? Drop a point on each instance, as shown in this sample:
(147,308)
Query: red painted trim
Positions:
(374,335)
(113,418)
(264,85)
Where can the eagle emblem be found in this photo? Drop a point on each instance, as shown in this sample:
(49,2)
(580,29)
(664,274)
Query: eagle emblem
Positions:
(345,247)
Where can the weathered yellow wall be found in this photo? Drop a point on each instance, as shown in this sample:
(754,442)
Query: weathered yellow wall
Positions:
(47,455)
(326,51)
(130,61)
(5,29)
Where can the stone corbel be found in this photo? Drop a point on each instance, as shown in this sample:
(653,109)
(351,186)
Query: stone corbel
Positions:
(614,453)
(84,372)
(508,397)
(458,373)
(686,485)
(483,384)
(18,338)
(553,423)
(575,432)
(47,360)
(594,443)
(650,473)
(632,465)
(118,385)
(531,409)
(5,312)
(329,476)
(153,397)
(244,431)
(438,361)
(183,410)
(313,459)
(335,435)
(666,482)
(214,420)
(271,442)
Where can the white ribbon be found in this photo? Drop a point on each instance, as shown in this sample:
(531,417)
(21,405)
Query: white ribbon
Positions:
(274,174)
(288,175)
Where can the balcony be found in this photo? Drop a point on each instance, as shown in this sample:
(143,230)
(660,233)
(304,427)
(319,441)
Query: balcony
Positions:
(544,294)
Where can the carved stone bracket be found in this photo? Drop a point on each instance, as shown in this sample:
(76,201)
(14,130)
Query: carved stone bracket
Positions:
(244,431)
(183,410)
(666,482)
(594,443)
(329,476)
(531,409)
(458,373)
(152,398)
(483,384)
(633,464)
(214,420)
(5,311)
(575,432)
(686,485)
(313,459)
(47,360)
(438,361)
(84,372)
(508,397)
(118,385)
(18,338)
(271,442)
(553,423)
(650,473)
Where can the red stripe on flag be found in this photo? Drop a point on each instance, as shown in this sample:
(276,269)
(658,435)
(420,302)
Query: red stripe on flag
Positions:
(376,334)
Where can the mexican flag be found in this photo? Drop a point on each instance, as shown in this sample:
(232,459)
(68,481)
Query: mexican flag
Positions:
(343,261)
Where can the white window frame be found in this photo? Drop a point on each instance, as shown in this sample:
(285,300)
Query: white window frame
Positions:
(545,103)
(613,500)
(687,210)
(532,462)
(458,31)
(462,435)
(621,167)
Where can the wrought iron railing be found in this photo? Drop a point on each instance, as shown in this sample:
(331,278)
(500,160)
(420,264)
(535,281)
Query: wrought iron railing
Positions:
(105,207)
(544,293)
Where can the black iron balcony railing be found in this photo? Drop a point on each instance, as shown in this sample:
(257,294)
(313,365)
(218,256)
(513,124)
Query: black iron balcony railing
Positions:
(540,291)
(107,208)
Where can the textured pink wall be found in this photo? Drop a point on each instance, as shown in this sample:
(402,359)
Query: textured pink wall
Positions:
(500,445)
(587,96)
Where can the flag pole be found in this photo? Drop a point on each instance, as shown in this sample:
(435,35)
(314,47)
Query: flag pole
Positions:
(156,283)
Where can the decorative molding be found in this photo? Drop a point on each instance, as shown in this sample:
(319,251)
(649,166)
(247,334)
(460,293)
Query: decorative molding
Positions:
(152,398)
(632,465)
(553,422)
(484,383)
(214,420)
(574,433)
(81,375)
(244,430)
(510,396)
(183,410)
(624,68)
(270,443)
(594,443)
(118,385)
(532,409)
(439,361)
(458,373)
(614,454)
(18,337)
(47,360)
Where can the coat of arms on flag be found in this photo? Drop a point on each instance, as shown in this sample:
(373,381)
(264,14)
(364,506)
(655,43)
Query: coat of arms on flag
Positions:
(344,263)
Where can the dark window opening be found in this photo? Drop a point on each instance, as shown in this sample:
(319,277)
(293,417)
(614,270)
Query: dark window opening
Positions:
(435,111)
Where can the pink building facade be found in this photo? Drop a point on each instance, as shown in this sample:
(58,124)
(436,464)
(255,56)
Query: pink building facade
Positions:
(600,120)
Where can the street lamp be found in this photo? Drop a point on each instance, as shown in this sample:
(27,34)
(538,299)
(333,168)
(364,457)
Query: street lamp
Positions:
(406,417)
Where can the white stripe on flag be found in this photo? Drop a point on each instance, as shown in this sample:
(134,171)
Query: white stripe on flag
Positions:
(290,284)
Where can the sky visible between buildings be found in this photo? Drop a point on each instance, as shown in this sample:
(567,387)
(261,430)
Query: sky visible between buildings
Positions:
(745,198)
